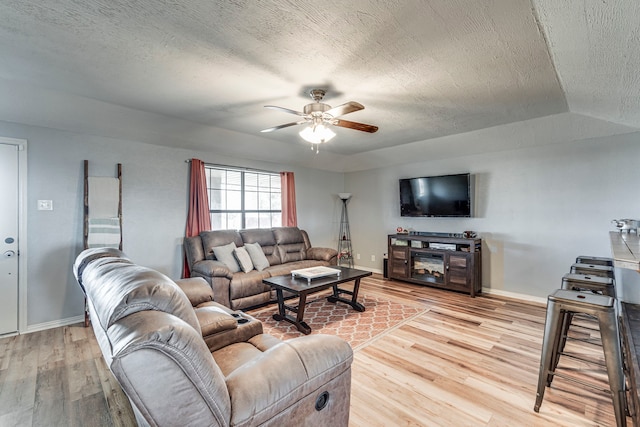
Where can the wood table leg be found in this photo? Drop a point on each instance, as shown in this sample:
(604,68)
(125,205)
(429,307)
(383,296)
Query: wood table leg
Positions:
(282,312)
(300,324)
(353,302)
(354,297)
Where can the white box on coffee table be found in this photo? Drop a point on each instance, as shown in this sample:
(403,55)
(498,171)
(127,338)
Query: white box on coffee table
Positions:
(315,272)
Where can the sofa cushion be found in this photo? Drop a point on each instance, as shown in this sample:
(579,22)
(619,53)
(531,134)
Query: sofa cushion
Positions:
(211,239)
(244,260)
(196,289)
(247,284)
(246,327)
(259,260)
(291,244)
(119,289)
(265,238)
(167,371)
(286,235)
(272,254)
(225,254)
(321,254)
(292,252)
(214,319)
(89,255)
(285,269)
(193,250)
(310,363)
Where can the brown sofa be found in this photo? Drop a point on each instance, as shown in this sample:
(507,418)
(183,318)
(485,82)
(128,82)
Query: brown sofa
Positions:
(183,359)
(286,249)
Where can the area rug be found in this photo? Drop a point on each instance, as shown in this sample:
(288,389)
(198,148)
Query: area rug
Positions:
(340,319)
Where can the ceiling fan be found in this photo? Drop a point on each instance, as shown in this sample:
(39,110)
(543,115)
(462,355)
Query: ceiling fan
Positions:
(320,117)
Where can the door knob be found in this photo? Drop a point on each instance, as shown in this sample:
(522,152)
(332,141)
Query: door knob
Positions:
(9,254)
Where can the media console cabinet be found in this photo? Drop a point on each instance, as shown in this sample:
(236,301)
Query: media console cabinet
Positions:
(453,263)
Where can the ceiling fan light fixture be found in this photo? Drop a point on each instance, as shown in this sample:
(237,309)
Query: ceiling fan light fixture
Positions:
(319,117)
(317,134)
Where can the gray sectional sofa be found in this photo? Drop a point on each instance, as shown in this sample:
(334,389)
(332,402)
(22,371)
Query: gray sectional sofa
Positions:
(184,360)
(284,249)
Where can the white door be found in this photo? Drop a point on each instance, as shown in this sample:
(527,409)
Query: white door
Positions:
(8,238)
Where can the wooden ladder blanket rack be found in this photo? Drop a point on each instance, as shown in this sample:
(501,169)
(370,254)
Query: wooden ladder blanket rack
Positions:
(102,213)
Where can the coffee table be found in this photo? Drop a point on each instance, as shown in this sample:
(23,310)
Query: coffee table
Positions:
(302,287)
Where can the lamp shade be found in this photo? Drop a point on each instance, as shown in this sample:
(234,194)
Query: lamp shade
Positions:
(317,134)
(344,196)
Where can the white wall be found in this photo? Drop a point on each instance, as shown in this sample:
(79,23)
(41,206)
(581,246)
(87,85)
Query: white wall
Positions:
(537,208)
(155,184)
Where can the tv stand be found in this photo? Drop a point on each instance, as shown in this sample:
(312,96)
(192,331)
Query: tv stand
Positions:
(439,260)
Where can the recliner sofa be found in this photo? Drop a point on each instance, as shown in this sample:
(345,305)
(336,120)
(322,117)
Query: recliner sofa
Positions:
(285,248)
(184,360)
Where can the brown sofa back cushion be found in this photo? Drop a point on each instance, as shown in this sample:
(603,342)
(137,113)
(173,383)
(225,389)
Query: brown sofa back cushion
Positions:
(89,255)
(287,235)
(291,244)
(211,239)
(265,238)
(194,250)
(117,288)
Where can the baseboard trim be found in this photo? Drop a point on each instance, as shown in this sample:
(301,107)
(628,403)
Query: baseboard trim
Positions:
(514,295)
(373,270)
(53,324)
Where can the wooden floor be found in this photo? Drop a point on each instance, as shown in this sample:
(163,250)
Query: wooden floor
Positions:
(462,362)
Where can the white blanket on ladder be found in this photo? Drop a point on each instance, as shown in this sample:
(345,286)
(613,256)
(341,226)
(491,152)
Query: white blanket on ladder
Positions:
(104,197)
(104,223)
(104,233)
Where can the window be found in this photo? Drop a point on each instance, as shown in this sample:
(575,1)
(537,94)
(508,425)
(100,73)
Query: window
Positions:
(241,199)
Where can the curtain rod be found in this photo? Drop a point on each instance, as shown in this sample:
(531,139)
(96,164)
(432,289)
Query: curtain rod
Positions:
(234,167)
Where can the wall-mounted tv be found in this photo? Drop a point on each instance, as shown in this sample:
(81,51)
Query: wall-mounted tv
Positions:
(436,196)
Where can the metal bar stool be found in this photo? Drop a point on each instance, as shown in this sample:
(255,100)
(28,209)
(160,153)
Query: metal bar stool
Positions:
(580,282)
(583,282)
(594,260)
(593,270)
(603,308)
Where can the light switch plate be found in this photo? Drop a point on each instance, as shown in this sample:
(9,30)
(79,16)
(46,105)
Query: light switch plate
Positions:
(45,205)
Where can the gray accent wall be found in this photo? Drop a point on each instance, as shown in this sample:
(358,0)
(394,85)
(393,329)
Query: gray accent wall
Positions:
(155,186)
(537,208)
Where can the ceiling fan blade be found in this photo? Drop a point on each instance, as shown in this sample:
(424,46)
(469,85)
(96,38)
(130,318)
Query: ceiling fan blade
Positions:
(286,110)
(343,109)
(286,125)
(357,126)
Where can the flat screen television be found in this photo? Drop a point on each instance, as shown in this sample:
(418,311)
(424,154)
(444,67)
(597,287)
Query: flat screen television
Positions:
(436,196)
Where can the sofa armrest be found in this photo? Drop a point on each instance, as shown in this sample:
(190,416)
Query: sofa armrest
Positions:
(322,254)
(197,290)
(218,275)
(212,268)
(262,386)
(214,319)
(218,331)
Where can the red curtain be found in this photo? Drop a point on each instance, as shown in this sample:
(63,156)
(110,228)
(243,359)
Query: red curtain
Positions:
(198,218)
(289,215)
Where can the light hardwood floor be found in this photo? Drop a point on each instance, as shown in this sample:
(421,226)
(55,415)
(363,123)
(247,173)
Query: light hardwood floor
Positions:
(462,362)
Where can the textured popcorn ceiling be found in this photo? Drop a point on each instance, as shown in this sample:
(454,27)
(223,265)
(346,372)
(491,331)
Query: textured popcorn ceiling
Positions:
(423,69)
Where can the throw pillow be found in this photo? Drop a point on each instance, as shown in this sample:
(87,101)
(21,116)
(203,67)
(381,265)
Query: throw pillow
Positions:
(243,258)
(260,261)
(225,255)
